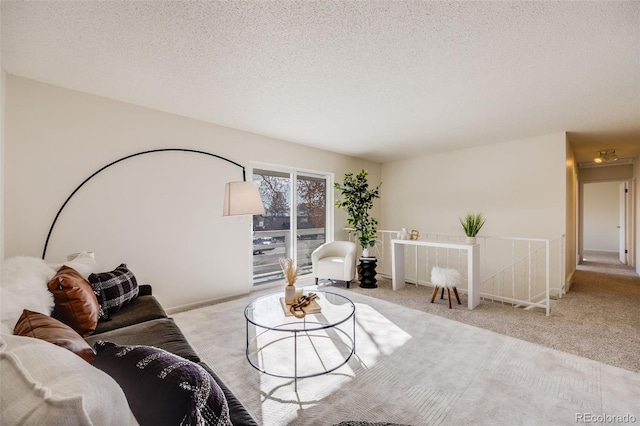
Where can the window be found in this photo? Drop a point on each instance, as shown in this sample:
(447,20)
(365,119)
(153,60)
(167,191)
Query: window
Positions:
(276,235)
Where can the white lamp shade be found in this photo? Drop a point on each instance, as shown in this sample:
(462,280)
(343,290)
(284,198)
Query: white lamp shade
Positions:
(242,198)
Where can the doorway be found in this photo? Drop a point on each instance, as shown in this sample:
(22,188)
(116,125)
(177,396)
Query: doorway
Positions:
(606,227)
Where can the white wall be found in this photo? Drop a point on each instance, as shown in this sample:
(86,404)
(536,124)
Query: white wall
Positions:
(601,216)
(571,242)
(2,113)
(159,213)
(518,185)
(2,103)
(2,109)
(636,222)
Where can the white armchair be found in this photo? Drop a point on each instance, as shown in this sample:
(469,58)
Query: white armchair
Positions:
(335,260)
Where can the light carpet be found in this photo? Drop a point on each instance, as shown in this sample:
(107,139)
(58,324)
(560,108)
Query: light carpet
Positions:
(415,368)
(597,319)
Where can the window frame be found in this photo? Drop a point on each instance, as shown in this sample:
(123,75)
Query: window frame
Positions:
(294,173)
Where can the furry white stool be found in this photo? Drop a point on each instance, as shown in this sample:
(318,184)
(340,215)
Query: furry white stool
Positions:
(445,278)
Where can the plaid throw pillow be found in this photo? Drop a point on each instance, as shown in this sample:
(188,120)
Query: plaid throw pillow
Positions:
(114,289)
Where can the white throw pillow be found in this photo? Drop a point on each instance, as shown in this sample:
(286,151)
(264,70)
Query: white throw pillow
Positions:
(45,384)
(23,285)
(84,263)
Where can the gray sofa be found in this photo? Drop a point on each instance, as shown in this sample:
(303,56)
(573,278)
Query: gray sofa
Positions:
(144,322)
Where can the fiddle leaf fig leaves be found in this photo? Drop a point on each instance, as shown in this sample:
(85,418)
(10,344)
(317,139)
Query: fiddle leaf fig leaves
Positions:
(357,201)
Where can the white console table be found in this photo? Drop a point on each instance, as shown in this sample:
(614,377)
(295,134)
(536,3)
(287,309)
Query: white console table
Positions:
(473,265)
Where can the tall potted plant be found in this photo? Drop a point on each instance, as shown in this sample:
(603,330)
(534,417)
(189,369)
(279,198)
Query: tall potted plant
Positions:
(357,201)
(471,224)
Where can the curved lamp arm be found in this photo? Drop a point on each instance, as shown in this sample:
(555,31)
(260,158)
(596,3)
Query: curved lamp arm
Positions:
(228,195)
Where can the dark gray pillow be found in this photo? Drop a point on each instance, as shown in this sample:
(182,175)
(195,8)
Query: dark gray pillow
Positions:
(163,388)
(114,289)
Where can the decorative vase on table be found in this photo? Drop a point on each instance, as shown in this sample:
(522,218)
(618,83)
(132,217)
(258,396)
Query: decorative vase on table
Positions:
(403,234)
(290,274)
(290,294)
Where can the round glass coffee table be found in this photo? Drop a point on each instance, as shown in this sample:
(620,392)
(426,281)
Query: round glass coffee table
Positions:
(281,345)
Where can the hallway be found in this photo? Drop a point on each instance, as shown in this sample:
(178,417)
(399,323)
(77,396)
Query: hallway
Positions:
(606,263)
(601,312)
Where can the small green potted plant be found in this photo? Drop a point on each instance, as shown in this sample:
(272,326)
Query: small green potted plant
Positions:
(357,202)
(472,223)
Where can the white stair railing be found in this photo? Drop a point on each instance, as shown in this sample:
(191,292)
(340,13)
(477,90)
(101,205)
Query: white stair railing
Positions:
(522,272)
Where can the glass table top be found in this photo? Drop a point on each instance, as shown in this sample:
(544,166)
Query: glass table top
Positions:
(268,312)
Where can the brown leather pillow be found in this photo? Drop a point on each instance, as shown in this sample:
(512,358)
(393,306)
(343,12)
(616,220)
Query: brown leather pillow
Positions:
(43,327)
(75,302)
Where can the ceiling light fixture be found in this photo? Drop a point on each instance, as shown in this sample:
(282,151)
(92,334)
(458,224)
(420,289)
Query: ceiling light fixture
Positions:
(606,156)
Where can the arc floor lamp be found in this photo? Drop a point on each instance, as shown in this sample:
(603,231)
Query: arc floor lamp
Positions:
(240,198)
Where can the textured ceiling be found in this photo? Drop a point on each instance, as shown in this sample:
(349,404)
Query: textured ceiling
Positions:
(374,79)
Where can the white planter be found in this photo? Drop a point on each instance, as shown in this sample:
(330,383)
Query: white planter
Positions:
(290,294)
(365,252)
(403,234)
(471,240)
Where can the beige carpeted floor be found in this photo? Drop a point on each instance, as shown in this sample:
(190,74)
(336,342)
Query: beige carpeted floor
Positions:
(605,263)
(599,318)
(412,368)
(415,366)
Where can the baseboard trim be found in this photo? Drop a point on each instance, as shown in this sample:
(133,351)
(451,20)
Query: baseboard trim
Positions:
(203,303)
(569,281)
